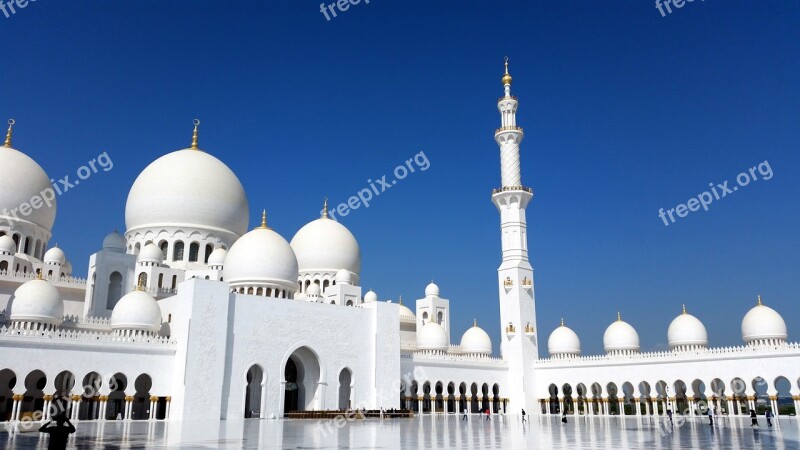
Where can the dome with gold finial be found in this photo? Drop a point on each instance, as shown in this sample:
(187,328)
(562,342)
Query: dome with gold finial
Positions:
(22,179)
(136,311)
(188,189)
(686,331)
(262,258)
(563,341)
(476,341)
(37,301)
(326,246)
(620,336)
(763,324)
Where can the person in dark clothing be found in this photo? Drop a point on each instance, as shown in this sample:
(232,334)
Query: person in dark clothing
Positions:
(710,414)
(523,416)
(488,416)
(564,417)
(669,414)
(753,418)
(768,415)
(59,432)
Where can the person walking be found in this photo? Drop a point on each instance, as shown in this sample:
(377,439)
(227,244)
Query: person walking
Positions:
(523,416)
(464,414)
(669,414)
(488,415)
(768,415)
(59,432)
(710,414)
(753,418)
(564,417)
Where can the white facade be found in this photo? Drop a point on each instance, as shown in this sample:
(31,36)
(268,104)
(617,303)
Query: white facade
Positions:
(187,315)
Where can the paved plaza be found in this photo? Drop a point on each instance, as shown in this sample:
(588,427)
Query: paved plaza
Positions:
(427,432)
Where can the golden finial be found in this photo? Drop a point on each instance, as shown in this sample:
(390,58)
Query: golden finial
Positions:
(759,299)
(400,300)
(684,308)
(562,321)
(506,77)
(325,208)
(39,275)
(619,317)
(194,134)
(263,220)
(474,323)
(11,123)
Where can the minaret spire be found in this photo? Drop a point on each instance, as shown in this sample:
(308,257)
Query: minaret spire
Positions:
(194,134)
(10,131)
(509,137)
(325,208)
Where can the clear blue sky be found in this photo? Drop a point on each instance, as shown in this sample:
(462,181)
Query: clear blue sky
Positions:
(625,112)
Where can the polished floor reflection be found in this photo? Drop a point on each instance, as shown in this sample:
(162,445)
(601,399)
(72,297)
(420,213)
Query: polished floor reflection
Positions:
(426,432)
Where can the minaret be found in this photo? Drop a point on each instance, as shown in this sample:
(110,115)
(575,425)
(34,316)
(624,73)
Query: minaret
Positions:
(519,346)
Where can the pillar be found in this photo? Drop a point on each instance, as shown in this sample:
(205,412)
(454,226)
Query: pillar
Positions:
(621,403)
(48,399)
(128,407)
(76,403)
(151,414)
(169,402)
(419,403)
(16,407)
(729,405)
(445,402)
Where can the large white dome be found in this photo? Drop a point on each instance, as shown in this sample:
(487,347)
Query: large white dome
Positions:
(21,179)
(620,336)
(328,246)
(476,341)
(763,322)
(37,301)
(188,188)
(433,337)
(563,341)
(686,329)
(137,310)
(261,256)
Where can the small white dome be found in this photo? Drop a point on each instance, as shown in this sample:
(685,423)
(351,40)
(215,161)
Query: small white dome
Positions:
(114,242)
(137,310)
(763,322)
(7,245)
(343,276)
(686,329)
(313,290)
(432,290)
(563,341)
(22,180)
(475,340)
(188,188)
(261,256)
(217,257)
(151,254)
(37,301)
(620,336)
(370,296)
(406,315)
(433,337)
(55,256)
(326,245)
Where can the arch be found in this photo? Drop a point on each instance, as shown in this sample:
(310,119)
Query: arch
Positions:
(345,382)
(440,318)
(194,252)
(597,398)
(140,410)
(8,379)
(3,266)
(253,391)
(554,407)
(209,251)
(681,401)
(627,399)
(64,383)
(718,400)
(90,403)
(426,397)
(325,285)
(33,399)
(349,303)
(699,397)
(496,400)
(645,402)
(760,386)
(580,390)
(177,251)
(160,280)
(450,399)
(301,376)
(613,403)
(142,280)
(783,397)
(164,247)
(438,397)
(174,282)
(115,405)
(414,394)
(663,397)
(569,405)
(739,388)
(474,407)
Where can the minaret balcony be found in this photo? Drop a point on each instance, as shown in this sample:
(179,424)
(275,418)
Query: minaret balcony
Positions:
(505,129)
(512,188)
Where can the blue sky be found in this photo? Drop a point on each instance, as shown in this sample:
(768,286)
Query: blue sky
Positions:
(625,112)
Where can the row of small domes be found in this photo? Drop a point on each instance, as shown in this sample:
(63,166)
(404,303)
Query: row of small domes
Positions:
(761,323)
(40,302)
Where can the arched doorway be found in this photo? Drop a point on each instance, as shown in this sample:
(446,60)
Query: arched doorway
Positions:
(90,403)
(141,400)
(345,380)
(7,382)
(115,406)
(33,399)
(252,394)
(302,375)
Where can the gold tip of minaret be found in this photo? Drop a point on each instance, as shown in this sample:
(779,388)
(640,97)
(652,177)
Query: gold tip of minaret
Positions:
(507,77)
(325,208)
(759,299)
(263,220)
(474,323)
(684,308)
(619,317)
(562,321)
(10,131)
(194,134)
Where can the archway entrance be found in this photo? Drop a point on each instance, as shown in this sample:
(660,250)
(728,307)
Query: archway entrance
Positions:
(252,396)
(301,380)
(345,380)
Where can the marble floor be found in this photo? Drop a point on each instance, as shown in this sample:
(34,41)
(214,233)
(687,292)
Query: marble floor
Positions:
(426,432)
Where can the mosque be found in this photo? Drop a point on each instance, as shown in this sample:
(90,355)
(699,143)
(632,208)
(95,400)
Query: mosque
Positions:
(190,315)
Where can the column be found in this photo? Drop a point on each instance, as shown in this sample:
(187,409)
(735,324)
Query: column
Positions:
(16,406)
(128,407)
(729,405)
(151,414)
(169,402)
(75,406)
(445,404)
(48,399)
(419,404)
(561,405)
(621,403)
